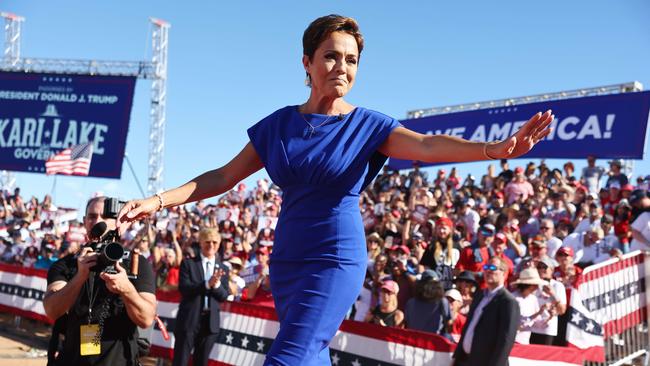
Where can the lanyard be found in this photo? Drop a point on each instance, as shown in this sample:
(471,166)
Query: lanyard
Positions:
(90,284)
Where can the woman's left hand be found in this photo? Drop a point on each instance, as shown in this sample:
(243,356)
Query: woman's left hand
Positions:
(523,140)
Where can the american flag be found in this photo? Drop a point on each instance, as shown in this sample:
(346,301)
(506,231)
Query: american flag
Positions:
(74,160)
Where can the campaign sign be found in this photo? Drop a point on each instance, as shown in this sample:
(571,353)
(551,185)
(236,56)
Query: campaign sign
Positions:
(42,114)
(608,126)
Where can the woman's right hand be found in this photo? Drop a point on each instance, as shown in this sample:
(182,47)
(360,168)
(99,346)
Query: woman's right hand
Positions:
(135,210)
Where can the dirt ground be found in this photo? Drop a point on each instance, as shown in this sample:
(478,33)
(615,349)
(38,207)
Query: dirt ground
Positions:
(24,342)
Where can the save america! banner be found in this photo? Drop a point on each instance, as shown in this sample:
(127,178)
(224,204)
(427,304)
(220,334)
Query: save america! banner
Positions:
(608,126)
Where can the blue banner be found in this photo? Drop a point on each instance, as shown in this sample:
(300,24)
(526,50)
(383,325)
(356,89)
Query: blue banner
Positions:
(42,114)
(609,126)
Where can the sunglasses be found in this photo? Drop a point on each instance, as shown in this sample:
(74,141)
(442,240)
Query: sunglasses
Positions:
(490,267)
(487,233)
(544,228)
(541,266)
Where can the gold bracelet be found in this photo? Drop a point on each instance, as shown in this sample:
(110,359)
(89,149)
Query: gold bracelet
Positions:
(485,145)
(161,201)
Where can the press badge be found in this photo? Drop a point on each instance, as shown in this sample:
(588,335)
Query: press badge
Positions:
(88,334)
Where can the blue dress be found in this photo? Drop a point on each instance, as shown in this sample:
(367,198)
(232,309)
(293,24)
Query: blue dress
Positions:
(319,257)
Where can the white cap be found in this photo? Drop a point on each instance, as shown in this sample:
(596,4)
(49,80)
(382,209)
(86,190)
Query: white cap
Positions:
(454,294)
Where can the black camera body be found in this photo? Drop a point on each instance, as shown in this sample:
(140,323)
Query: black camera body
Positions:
(107,244)
(109,252)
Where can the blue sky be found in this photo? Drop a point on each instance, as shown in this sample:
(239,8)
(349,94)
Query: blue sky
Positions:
(232,63)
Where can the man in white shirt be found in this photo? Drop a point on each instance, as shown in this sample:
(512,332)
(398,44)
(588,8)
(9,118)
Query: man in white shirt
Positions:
(553,293)
(592,221)
(641,232)
(470,217)
(547,230)
(492,322)
(583,245)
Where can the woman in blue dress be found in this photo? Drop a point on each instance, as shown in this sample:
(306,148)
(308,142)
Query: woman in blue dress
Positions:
(323,153)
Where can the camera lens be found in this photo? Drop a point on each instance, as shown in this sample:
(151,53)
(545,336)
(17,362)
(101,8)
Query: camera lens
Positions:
(114,251)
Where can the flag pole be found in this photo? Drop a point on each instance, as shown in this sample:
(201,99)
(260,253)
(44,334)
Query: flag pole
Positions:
(126,157)
(53,192)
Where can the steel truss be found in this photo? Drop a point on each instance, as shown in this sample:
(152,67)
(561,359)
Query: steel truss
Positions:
(155,70)
(634,86)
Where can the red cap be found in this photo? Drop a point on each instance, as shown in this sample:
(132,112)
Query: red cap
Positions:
(394,248)
(395,214)
(568,251)
(500,238)
(498,194)
(445,221)
(262,250)
(405,249)
(627,187)
(391,286)
(519,170)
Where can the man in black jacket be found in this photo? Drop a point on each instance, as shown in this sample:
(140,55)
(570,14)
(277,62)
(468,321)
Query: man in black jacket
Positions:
(492,322)
(203,284)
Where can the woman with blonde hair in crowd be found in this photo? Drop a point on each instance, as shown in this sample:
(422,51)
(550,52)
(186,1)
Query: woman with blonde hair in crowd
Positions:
(375,245)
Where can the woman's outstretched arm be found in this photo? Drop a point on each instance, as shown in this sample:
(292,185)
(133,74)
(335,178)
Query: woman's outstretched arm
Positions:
(208,184)
(410,145)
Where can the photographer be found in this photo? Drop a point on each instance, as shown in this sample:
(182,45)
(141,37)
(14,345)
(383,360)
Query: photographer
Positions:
(103,309)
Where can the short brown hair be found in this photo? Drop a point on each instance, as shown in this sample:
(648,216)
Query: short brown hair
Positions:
(322,27)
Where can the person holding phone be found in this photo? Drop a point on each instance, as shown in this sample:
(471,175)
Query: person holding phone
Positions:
(322,154)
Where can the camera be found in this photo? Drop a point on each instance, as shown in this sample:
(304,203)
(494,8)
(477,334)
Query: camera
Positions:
(107,244)
(109,250)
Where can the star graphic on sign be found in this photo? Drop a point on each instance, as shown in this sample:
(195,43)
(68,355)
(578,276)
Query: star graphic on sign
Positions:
(47,134)
(632,288)
(260,345)
(229,338)
(576,318)
(607,298)
(514,109)
(592,305)
(335,359)
(356,362)
(590,326)
(244,342)
(621,295)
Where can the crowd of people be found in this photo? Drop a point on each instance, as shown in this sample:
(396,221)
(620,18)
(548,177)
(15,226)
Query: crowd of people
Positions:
(429,240)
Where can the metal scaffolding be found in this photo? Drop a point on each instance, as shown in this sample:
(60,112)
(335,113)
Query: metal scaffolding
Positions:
(158,105)
(634,86)
(155,70)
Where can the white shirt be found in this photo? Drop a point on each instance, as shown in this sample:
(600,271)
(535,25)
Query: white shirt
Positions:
(528,306)
(471,219)
(469,335)
(553,244)
(545,325)
(605,246)
(207,273)
(585,224)
(641,224)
